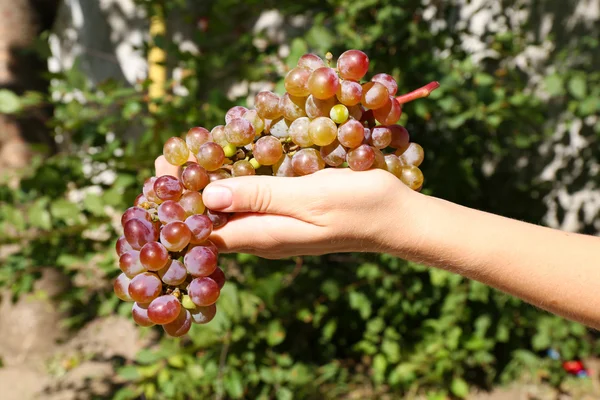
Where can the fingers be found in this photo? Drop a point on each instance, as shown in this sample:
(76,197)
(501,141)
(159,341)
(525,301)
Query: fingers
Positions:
(162,166)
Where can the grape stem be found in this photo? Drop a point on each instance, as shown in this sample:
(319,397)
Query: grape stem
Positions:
(419,93)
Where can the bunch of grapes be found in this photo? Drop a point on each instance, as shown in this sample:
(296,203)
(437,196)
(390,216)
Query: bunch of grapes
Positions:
(327,118)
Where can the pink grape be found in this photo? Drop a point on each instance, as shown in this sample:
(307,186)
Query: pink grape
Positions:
(218,175)
(311,61)
(200,227)
(139,312)
(145,287)
(390,113)
(200,261)
(361,158)
(400,138)
(349,93)
(170,211)
(164,309)
(210,156)
(122,246)
(203,315)
(139,200)
(322,131)
(379,161)
(175,236)
(293,106)
(333,154)
(375,95)
(154,256)
(257,122)
(217,218)
(298,132)
(381,137)
(194,177)
(139,232)
(318,108)
(242,168)
(356,112)
(296,81)
(135,212)
(267,150)
(130,264)
(218,135)
(192,203)
(121,287)
(235,112)
(204,291)
(149,191)
(180,326)
(284,167)
(323,83)
(218,276)
(267,105)
(176,151)
(353,64)
(211,246)
(239,132)
(307,161)
(413,155)
(174,273)
(168,187)
(196,137)
(388,81)
(351,134)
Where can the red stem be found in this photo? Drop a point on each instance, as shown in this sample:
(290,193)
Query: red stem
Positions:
(419,93)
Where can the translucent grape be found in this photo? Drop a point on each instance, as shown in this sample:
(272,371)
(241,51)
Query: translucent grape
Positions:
(318,108)
(196,137)
(307,161)
(154,256)
(176,151)
(280,128)
(242,168)
(296,81)
(412,177)
(175,236)
(389,113)
(121,287)
(168,187)
(293,107)
(192,203)
(139,313)
(164,309)
(239,132)
(388,81)
(267,150)
(381,137)
(298,132)
(219,276)
(211,246)
(130,263)
(218,175)
(210,156)
(323,83)
(148,190)
(135,212)
(413,155)
(379,161)
(194,177)
(200,261)
(374,95)
(173,274)
(218,136)
(333,154)
(339,114)
(122,246)
(311,61)
(351,134)
(283,167)
(361,158)
(235,112)
(170,211)
(349,93)
(204,291)
(139,232)
(200,227)
(353,64)
(217,218)
(180,326)
(394,166)
(203,315)
(267,105)
(322,131)
(257,122)
(145,287)
(139,200)
(356,112)
(400,138)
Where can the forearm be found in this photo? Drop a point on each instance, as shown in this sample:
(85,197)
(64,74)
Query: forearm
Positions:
(554,270)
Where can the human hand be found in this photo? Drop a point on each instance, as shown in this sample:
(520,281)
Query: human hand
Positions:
(330,211)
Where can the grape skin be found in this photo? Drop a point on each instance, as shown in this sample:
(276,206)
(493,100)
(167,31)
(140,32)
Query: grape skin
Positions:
(204,291)
(164,309)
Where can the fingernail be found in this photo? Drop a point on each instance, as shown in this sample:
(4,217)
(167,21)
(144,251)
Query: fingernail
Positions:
(217,197)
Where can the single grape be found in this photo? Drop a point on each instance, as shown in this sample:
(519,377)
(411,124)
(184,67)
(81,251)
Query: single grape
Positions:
(298,132)
(413,155)
(353,64)
(388,81)
(379,161)
(200,227)
(280,128)
(209,245)
(381,137)
(174,273)
(323,83)
(218,175)
(283,167)
(235,112)
(339,113)
(393,164)
(164,309)
(196,137)
(139,200)
(229,150)
(154,256)
(257,122)
(139,312)
(139,232)
(218,136)
(292,107)
(333,154)
(361,158)
(180,326)
(122,246)
(351,134)
(168,187)
(192,203)
(148,190)
(219,276)
(375,95)
(356,112)
(349,93)
(242,168)
(296,81)
(203,315)
(170,211)
(412,177)
(400,138)
(239,132)
(307,161)
(311,61)
(200,261)
(176,151)
(135,212)
(210,156)
(130,263)
(322,131)
(204,291)
(217,218)
(145,287)
(267,150)
(267,105)
(121,287)
(194,177)
(390,113)
(318,108)
(175,236)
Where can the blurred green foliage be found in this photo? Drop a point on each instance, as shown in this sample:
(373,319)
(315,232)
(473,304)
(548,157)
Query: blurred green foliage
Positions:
(317,327)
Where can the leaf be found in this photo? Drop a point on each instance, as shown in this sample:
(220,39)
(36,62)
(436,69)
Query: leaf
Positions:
(275,333)
(459,387)
(39,216)
(284,393)
(146,356)
(129,372)
(233,384)
(64,210)
(9,102)
(578,87)
(93,204)
(554,85)
(360,302)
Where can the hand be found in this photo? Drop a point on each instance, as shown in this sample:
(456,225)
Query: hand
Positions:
(333,210)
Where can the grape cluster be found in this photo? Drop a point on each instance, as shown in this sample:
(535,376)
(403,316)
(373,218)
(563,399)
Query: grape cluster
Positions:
(328,117)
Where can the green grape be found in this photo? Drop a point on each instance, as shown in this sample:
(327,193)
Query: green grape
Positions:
(257,122)
(298,132)
(176,151)
(411,176)
(229,150)
(339,113)
(322,131)
(255,163)
(413,155)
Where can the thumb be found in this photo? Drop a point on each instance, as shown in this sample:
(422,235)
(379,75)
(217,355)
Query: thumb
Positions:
(259,194)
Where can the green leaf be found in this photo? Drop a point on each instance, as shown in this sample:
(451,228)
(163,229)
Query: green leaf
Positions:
(578,87)
(9,102)
(93,204)
(146,356)
(360,302)
(554,85)
(284,393)
(275,333)
(129,372)
(64,210)
(459,387)
(39,216)
(233,384)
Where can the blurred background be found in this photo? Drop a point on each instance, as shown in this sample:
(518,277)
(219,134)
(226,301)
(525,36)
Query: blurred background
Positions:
(91,89)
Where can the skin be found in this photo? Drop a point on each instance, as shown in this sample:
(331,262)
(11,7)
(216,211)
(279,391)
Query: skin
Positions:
(339,210)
